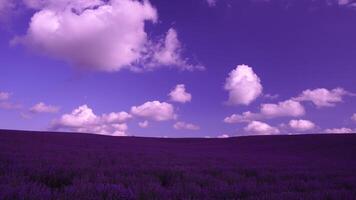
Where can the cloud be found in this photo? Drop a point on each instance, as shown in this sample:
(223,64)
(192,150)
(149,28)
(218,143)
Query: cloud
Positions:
(143,124)
(340,130)
(301,125)
(83,119)
(288,108)
(185,126)
(169,53)
(100,35)
(211,3)
(154,110)
(322,97)
(223,136)
(282,109)
(243,85)
(179,94)
(353,117)
(118,117)
(43,108)
(261,128)
(4,96)
(245,117)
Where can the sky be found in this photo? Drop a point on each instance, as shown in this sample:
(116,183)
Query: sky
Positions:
(202,68)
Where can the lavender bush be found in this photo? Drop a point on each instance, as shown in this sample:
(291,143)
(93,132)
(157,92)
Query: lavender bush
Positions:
(80,166)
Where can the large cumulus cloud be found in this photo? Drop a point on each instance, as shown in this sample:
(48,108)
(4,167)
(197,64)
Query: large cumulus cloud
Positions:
(100,35)
(243,85)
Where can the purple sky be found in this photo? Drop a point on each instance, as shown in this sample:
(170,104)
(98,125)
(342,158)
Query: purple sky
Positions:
(160,68)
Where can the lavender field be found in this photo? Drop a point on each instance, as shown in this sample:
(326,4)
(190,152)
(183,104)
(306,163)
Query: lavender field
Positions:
(82,166)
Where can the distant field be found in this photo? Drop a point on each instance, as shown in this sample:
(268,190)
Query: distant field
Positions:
(82,166)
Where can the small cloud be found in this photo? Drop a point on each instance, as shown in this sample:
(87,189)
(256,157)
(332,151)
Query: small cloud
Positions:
(43,108)
(143,124)
(288,108)
(261,128)
(301,125)
(223,136)
(340,130)
(245,117)
(185,126)
(322,97)
(154,110)
(179,94)
(169,53)
(282,109)
(243,85)
(117,117)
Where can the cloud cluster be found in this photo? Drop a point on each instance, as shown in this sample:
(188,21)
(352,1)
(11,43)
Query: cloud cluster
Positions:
(288,108)
(100,35)
(261,128)
(154,110)
(322,97)
(185,126)
(301,125)
(43,108)
(243,85)
(179,94)
(83,119)
(340,130)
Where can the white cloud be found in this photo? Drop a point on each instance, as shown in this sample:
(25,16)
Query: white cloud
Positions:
(4,96)
(211,3)
(93,34)
(143,124)
(301,125)
(118,117)
(223,136)
(169,53)
(288,108)
(154,110)
(179,94)
(83,119)
(284,108)
(340,130)
(100,35)
(245,117)
(243,85)
(261,128)
(322,97)
(185,126)
(43,108)
(353,117)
